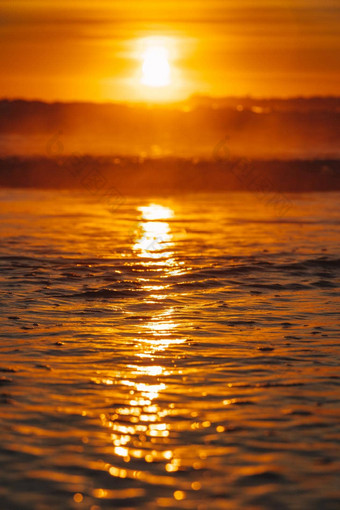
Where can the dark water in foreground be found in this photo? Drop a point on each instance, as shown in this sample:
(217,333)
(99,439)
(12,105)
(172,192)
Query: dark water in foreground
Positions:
(169,354)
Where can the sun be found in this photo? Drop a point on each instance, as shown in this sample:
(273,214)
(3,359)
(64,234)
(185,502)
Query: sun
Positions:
(156,71)
(158,75)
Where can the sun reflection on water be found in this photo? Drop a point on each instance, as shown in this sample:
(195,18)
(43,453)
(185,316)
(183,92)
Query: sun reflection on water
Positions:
(154,232)
(159,332)
(156,212)
(139,426)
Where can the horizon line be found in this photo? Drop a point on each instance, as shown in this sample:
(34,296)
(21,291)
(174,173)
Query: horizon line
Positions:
(172,103)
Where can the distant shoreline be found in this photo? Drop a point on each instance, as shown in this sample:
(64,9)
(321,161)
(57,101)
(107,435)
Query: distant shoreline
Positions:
(106,174)
(254,128)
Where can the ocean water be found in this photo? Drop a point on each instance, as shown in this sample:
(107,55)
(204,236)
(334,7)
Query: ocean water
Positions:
(169,353)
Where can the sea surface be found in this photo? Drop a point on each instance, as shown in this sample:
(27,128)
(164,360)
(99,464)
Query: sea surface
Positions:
(177,353)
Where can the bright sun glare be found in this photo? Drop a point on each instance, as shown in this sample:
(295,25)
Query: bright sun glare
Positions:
(156,67)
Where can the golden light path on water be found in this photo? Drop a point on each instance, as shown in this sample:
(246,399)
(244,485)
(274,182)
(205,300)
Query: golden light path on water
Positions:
(146,418)
(154,233)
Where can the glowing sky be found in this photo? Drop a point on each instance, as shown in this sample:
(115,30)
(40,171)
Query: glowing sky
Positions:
(82,50)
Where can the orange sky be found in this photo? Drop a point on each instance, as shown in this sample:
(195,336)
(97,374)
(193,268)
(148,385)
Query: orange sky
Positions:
(90,50)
